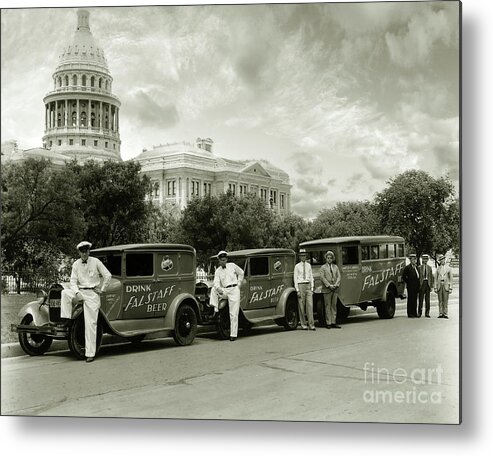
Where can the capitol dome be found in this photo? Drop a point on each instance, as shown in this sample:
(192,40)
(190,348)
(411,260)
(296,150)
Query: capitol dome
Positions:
(82,115)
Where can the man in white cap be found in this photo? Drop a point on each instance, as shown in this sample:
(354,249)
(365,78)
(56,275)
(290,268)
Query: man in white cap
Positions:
(303,283)
(85,285)
(227,282)
(443,286)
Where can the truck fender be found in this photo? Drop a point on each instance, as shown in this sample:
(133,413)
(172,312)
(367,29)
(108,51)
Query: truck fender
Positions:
(283,299)
(390,285)
(169,319)
(38,311)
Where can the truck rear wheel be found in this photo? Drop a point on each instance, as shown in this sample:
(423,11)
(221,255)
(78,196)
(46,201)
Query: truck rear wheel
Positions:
(386,308)
(77,337)
(33,344)
(185,325)
(290,320)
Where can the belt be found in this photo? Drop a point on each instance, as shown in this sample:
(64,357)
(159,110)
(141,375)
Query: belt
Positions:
(442,280)
(85,288)
(303,282)
(231,286)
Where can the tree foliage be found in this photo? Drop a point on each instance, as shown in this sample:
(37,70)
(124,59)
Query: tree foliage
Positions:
(113,201)
(351,218)
(287,231)
(39,204)
(422,209)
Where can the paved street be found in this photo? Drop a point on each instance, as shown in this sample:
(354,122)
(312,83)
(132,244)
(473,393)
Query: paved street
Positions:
(399,370)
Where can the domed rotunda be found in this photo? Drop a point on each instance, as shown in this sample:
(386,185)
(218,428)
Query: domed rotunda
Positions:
(81,113)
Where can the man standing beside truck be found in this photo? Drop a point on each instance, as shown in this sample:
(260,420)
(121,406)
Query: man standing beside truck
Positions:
(331,280)
(410,276)
(303,283)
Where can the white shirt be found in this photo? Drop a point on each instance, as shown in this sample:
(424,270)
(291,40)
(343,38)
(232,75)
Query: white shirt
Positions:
(303,274)
(230,275)
(88,275)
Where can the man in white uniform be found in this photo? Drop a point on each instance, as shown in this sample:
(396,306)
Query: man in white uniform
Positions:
(303,283)
(227,282)
(85,285)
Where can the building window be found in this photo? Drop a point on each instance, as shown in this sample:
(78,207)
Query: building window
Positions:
(155,189)
(83,142)
(83,80)
(95,143)
(171,188)
(59,142)
(282,201)
(273,196)
(195,188)
(83,119)
(74,80)
(51,143)
(263,194)
(114,146)
(71,142)
(106,144)
(232,189)
(207,188)
(243,189)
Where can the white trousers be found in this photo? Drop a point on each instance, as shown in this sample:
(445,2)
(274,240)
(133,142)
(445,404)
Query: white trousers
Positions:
(233,296)
(92,303)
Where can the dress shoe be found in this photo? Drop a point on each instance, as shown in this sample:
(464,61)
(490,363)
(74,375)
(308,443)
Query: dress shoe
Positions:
(440,316)
(304,329)
(335,326)
(418,316)
(410,316)
(90,359)
(232,339)
(313,329)
(427,316)
(445,316)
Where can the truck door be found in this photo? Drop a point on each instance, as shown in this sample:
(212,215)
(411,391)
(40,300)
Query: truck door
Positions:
(258,283)
(349,263)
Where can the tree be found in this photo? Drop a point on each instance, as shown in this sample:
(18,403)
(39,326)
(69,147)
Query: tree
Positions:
(422,209)
(164,225)
(114,204)
(40,205)
(350,218)
(287,231)
(227,222)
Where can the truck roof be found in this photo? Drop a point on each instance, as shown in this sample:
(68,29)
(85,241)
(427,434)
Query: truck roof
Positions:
(353,239)
(251,252)
(143,247)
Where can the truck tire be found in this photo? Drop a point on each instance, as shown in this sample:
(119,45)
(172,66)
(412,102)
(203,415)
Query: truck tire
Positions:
(185,325)
(291,319)
(77,337)
(342,312)
(386,308)
(33,344)
(223,323)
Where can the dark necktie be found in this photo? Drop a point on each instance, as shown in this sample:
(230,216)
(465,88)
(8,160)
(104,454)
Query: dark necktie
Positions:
(84,261)
(304,272)
(331,272)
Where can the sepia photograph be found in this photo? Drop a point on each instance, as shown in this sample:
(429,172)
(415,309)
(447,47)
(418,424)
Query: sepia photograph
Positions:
(245,212)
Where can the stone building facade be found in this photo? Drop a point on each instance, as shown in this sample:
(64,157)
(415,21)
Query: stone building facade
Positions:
(184,170)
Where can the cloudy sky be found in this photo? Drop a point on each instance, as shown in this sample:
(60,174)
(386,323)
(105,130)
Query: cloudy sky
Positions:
(340,96)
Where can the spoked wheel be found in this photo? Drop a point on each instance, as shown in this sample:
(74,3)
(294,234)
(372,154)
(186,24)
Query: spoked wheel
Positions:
(291,313)
(185,325)
(33,344)
(77,337)
(224,323)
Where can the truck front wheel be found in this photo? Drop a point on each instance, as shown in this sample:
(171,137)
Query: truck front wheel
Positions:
(77,337)
(386,307)
(185,325)
(33,344)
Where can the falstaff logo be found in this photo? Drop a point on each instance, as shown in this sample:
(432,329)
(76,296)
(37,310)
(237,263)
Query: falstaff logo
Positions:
(402,386)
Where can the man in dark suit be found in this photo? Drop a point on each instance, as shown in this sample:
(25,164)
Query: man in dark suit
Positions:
(410,276)
(425,286)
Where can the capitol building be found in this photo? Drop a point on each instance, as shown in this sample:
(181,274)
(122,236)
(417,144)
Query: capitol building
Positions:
(82,122)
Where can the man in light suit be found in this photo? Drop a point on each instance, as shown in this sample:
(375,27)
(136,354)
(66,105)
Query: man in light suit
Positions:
(410,276)
(331,280)
(425,286)
(443,286)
